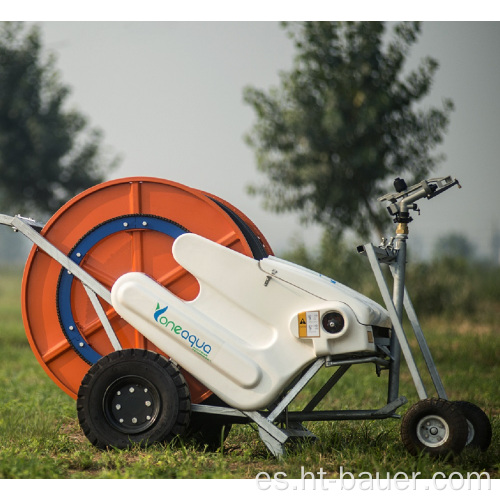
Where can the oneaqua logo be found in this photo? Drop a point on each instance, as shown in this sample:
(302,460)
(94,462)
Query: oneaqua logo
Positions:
(198,345)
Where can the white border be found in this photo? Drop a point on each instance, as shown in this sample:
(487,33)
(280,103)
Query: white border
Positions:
(249,10)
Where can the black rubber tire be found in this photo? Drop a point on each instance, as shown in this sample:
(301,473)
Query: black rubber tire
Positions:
(209,431)
(133,396)
(479,425)
(434,426)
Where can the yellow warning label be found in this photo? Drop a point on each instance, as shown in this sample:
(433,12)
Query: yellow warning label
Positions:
(302,325)
(308,324)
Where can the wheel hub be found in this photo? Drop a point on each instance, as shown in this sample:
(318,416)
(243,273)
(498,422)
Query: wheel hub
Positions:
(432,431)
(131,404)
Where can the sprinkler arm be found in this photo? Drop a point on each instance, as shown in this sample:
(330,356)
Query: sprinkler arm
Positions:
(403,201)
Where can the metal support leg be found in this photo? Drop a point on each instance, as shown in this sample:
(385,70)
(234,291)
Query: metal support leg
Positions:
(103,319)
(272,437)
(424,347)
(292,394)
(398,271)
(326,388)
(396,322)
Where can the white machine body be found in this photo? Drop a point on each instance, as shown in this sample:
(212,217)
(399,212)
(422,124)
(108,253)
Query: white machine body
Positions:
(254,324)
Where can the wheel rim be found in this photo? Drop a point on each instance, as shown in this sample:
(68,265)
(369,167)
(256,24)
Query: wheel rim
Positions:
(433,431)
(471,433)
(131,404)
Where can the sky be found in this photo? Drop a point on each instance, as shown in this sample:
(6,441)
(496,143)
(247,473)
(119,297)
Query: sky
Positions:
(169,98)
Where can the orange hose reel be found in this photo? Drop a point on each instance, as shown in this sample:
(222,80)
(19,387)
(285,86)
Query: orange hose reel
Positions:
(110,229)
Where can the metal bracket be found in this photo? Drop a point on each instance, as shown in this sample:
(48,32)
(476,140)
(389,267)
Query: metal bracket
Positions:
(275,438)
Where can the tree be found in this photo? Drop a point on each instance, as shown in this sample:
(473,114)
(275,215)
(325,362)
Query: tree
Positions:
(47,152)
(343,123)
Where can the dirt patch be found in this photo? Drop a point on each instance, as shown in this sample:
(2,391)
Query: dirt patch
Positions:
(72,430)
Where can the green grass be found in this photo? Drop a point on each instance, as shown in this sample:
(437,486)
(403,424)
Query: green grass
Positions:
(40,435)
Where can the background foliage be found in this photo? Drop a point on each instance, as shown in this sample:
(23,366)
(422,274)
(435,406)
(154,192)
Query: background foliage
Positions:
(343,122)
(48,152)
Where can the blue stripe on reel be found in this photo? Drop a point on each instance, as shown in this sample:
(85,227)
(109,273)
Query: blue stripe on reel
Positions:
(126,223)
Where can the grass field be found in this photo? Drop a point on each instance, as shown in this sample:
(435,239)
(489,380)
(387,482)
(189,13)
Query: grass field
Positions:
(40,435)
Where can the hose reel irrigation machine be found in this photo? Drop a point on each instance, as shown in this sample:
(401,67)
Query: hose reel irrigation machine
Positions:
(162,311)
